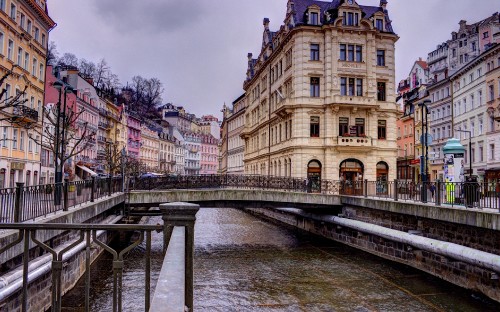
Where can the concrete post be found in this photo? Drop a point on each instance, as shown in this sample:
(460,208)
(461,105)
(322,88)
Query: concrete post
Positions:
(182,214)
(438,193)
(396,195)
(92,189)
(18,203)
(65,190)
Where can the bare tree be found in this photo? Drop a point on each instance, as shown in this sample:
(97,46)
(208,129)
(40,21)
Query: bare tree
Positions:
(68,59)
(12,105)
(73,136)
(145,96)
(52,54)
(114,159)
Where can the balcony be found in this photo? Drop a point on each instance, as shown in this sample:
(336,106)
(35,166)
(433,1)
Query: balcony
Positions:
(104,125)
(24,115)
(354,143)
(103,112)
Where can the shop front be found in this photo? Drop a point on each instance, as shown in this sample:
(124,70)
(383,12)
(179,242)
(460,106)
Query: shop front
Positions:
(314,176)
(351,177)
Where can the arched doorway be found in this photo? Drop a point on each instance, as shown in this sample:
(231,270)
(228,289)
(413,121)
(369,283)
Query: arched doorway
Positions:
(382,177)
(314,176)
(351,176)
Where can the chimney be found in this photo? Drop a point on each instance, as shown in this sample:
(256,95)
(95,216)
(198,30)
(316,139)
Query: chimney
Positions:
(249,56)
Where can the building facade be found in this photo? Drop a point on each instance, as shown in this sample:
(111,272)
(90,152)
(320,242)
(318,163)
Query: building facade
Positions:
(321,100)
(23,47)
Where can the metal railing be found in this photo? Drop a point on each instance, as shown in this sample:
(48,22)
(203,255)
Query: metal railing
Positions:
(86,239)
(24,203)
(466,194)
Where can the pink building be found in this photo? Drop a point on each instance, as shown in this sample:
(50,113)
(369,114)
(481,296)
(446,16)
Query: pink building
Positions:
(209,154)
(134,134)
(50,100)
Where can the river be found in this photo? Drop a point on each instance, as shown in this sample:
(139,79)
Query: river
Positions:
(245,264)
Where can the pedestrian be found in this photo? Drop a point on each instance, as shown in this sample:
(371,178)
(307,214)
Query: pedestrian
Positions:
(432,188)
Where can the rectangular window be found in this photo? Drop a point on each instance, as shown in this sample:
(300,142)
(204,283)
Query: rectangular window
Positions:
(492,92)
(37,34)
(343,125)
(492,151)
(22,21)
(2,4)
(343,52)
(28,29)
(360,126)
(381,91)
(380,57)
(314,131)
(4,137)
(10,49)
(485,35)
(43,40)
(13,11)
(350,53)
(359,87)
(481,153)
(42,73)
(379,24)
(343,86)
(35,65)
(14,138)
(382,126)
(26,60)
(21,141)
(19,56)
(1,43)
(314,87)
(314,52)
(313,18)
(359,54)
(351,86)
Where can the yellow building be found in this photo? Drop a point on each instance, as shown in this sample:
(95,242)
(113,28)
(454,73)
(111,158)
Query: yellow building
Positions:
(321,98)
(149,153)
(24,30)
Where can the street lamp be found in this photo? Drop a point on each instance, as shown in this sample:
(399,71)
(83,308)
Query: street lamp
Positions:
(60,144)
(470,149)
(425,176)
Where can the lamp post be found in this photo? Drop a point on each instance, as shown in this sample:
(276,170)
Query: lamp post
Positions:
(424,174)
(470,149)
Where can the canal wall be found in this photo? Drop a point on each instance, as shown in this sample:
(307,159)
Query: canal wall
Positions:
(464,255)
(40,265)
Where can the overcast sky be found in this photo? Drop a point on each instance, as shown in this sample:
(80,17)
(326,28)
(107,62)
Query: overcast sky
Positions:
(198,48)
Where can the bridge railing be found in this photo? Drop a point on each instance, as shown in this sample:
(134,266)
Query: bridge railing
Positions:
(468,194)
(59,261)
(24,203)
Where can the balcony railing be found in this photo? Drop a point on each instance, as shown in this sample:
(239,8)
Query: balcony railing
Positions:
(24,114)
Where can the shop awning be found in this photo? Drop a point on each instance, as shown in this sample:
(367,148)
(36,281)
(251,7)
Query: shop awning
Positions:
(92,173)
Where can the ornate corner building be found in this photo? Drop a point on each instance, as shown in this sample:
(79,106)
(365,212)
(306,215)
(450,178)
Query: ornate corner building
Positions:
(321,94)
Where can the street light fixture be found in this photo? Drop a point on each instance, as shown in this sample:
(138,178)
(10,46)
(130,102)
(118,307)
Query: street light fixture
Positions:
(425,143)
(470,149)
(60,143)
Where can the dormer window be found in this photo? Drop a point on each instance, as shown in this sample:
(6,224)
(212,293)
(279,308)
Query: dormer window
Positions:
(351,19)
(313,18)
(379,24)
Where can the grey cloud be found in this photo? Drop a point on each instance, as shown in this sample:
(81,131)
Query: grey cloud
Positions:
(154,16)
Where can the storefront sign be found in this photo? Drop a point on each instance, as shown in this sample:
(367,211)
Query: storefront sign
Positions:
(415,161)
(17,165)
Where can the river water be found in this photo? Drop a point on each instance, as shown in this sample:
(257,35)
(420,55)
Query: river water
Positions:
(245,264)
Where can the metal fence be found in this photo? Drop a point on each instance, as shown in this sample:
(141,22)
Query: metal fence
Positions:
(24,203)
(86,239)
(464,194)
